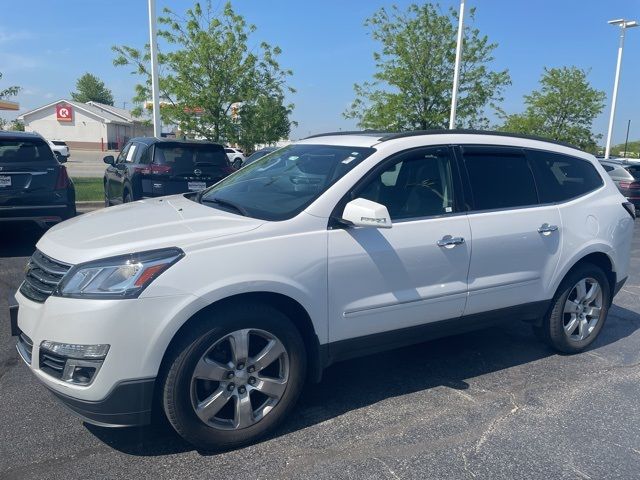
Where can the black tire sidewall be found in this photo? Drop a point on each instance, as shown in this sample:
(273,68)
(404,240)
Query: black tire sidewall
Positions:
(554,326)
(177,384)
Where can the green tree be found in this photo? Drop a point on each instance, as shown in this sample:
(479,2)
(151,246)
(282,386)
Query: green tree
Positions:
(91,88)
(9,91)
(563,109)
(411,88)
(208,69)
(17,125)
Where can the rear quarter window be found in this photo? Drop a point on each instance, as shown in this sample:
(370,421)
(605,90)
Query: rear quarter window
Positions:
(562,177)
(19,150)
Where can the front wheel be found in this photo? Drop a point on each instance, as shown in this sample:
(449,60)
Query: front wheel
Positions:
(579,310)
(234,377)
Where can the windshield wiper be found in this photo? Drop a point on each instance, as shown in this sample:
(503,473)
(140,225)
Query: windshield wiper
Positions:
(226,203)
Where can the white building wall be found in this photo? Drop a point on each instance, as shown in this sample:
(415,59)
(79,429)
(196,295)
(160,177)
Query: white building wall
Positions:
(84,131)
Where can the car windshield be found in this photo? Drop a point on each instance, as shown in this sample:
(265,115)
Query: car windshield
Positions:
(184,158)
(25,150)
(283,183)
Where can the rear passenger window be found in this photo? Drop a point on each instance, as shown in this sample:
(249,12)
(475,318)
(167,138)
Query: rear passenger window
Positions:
(500,178)
(561,177)
(607,168)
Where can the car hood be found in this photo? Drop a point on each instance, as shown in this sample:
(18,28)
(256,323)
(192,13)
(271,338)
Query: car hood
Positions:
(173,221)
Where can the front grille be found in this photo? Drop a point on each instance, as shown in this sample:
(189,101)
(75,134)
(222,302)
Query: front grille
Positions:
(25,347)
(42,277)
(51,363)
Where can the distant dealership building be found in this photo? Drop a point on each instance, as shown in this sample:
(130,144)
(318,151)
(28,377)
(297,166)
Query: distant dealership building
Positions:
(90,125)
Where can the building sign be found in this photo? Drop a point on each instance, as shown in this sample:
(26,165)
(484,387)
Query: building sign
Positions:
(64,113)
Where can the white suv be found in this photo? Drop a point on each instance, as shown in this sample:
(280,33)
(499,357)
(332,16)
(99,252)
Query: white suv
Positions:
(235,156)
(217,306)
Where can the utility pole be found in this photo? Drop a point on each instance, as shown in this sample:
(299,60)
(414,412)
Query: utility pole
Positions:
(157,126)
(626,141)
(456,69)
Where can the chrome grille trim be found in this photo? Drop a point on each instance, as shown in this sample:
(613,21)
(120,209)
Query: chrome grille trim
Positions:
(42,277)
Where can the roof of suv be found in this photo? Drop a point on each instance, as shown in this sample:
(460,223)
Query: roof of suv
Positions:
(369,138)
(153,140)
(19,135)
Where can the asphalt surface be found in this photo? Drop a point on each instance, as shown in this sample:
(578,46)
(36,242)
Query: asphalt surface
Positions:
(87,163)
(490,404)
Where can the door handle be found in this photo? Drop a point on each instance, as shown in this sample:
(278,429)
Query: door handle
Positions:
(449,242)
(546,229)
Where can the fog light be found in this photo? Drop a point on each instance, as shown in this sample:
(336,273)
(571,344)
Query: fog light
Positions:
(72,350)
(70,362)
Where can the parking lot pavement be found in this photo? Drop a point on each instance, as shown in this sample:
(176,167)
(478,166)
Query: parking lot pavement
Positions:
(87,163)
(489,404)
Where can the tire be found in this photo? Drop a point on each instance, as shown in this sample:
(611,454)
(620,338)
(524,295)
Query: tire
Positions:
(564,328)
(224,425)
(127,197)
(107,201)
(237,163)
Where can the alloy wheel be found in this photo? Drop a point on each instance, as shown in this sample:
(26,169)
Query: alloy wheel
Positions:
(239,379)
(582,309)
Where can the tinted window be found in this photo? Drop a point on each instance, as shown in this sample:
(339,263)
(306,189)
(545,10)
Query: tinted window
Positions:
(144,156)
(635,171)
(419,185)
(25,150)
(283,183)
(184,158)
(607,168)
(561,177)
(500,178)
(123,153)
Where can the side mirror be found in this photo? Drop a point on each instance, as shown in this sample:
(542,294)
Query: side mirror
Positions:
(109,160)
(365,213)
(61,158)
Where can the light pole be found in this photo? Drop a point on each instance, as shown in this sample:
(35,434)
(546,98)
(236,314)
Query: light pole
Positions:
(626,141)
(456,68)
(157,126)
(623,24)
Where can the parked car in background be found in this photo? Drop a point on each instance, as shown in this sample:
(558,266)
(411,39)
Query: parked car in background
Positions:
(218,306)
(258,155)
(236,156)
(33,184)
(61,150)
(154,167)
(626,176)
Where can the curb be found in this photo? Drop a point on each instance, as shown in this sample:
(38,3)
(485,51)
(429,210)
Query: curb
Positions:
(89,206)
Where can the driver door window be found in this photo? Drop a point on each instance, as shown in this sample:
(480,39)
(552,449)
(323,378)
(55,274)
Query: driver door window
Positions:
(419,185)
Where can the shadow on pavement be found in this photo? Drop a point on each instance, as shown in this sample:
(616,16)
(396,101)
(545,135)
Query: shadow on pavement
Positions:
(19,239)
(354,384)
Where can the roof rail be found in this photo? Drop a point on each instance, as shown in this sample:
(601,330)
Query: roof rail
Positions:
(385,136)
(416,133)
(370,133)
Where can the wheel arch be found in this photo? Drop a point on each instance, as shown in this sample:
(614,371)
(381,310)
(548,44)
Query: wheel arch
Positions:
(283,303)
(598,258)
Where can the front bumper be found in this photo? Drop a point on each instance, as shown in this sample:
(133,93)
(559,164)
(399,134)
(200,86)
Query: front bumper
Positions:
(127,405)
(138,332)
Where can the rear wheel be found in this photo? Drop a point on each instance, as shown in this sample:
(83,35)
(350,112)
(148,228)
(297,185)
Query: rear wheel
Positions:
(237,163)
(234,378)
(579,310)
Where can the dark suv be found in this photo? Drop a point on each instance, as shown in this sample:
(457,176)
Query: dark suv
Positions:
(154,167)
(33,184)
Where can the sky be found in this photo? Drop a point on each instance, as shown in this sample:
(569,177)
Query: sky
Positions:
(45,45)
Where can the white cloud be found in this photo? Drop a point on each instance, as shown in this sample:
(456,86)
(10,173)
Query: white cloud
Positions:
(7,36)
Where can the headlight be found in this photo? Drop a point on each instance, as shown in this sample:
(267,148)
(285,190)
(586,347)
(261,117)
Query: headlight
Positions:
(125,276)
